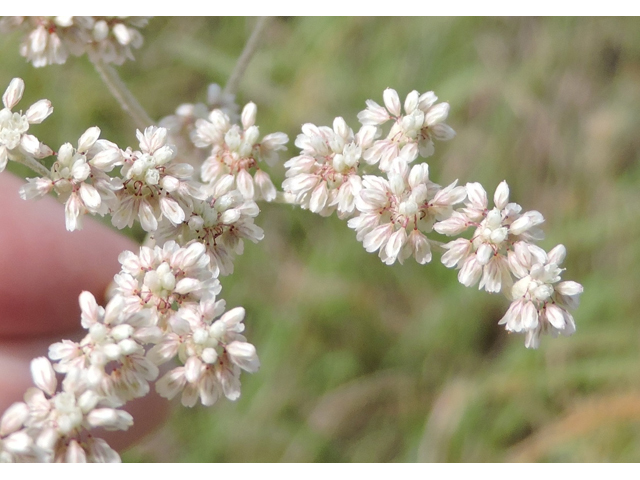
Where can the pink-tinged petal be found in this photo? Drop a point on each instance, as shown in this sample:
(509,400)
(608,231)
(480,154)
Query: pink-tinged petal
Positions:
(395,244)
(193,368)
(101,452)
(4,157)
(392,101)
(437,114)
(442,132)
(477,195)
(90,197)
(37,187)
(557,254)
(73,210)
(501,197)
(569,288)
(172,210)
(248,116)
(39,111)
(244,355)
(555,316)
(13,94)
(378,237)
(75,453)
(427,100)
(470,272)
(148,219)
(88,139)
(13,418)
(529,316)
(43,375)
(110,419)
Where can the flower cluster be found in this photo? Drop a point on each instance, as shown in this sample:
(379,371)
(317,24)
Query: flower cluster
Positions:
(50,40)
(15,142)
(236,151)
(397,213)
(164,298)
(53,425)
(324,178)
(79,178)
(164,304)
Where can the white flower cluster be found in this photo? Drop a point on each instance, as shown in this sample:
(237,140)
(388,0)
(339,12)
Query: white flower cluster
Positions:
(53,426)
(236,151)
(79,178)
(51,39)
(181,124)
(164,304)
(15,142)
(164,297)
(396,213)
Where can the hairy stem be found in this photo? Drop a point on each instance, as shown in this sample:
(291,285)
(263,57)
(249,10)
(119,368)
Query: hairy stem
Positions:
(123,95)
(32,163)
(243,62)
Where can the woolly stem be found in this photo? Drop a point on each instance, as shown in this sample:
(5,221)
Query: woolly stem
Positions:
(243,62)
(123,95)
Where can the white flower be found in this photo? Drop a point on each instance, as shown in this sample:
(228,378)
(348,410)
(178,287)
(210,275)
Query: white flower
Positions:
(51,39)
(159,280)
(541,302)
(236,150)
(14,139)
(154,188)
(111,357)
(221,224)
(484,257)
(58,422)
(412,133)
(396,214)
(325,176)
(213,353)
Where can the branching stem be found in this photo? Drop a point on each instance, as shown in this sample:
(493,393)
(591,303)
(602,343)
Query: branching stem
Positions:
(243,62)
(123,95)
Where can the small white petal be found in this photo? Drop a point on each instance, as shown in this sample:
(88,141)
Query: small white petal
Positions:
(39,111)
(43,375)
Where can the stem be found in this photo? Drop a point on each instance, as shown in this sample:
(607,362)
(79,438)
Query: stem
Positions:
(32,163)
(123,95)
(243,62)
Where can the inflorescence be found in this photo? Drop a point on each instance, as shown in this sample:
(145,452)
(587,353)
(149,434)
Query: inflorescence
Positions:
(198,208)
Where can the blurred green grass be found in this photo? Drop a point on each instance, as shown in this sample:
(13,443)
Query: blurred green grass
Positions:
(365,362)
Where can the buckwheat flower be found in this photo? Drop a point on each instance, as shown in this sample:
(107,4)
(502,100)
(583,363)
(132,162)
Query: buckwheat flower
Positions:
(43,45)
(412,133)
(59,421)
(212,351)
(236,150)
(51,39)
(78,177)
(541,302)
(112,38)
(484,258)
(111,356)
(14,139)
(221,224)
(15,443)
(325,176)
(154,187)
(396,214)
(160,280)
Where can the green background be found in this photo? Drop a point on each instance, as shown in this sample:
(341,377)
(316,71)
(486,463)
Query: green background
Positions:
(366,362)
